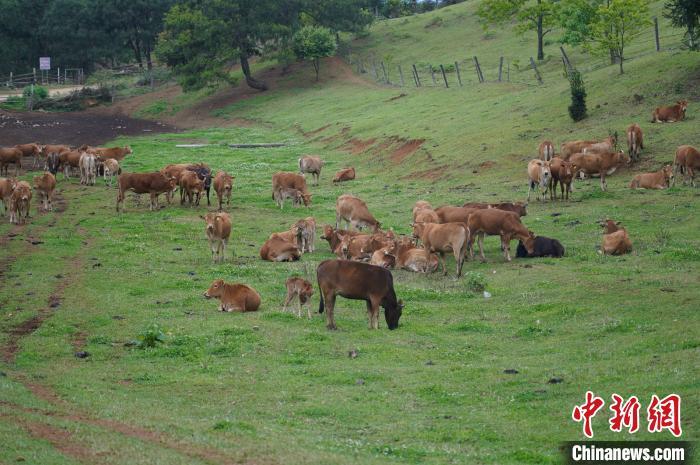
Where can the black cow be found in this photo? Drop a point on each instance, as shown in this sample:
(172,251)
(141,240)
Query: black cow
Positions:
(53,163)
(358,281)
(204,174)
(544,247)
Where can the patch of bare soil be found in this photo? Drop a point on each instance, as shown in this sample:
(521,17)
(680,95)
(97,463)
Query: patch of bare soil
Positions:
(406,150)
(358,146)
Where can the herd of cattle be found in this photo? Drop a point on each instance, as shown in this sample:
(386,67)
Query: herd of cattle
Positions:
(364,259)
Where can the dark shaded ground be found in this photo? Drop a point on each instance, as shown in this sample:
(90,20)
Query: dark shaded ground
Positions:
(77,128)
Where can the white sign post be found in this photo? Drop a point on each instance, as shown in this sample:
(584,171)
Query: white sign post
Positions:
(44,63)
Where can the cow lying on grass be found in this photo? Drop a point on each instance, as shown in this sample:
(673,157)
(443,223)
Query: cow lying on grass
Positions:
(346,174)
(616,241)
(233,297)
(658,180)
(670,114)
(277,249)
(543,247)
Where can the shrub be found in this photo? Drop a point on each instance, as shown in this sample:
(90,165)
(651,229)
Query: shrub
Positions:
(151,336)
(577,109)
(40,93)
(476,282)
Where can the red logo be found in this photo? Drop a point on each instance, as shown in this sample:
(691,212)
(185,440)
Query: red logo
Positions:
(665,414)
(587,411)
(625,415)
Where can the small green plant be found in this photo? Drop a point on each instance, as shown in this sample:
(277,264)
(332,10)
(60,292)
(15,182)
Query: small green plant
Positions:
(476,282)
(40,93)
(577,109)
(151,336)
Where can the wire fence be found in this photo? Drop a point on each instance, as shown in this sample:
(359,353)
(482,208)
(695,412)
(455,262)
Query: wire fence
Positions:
(61,76)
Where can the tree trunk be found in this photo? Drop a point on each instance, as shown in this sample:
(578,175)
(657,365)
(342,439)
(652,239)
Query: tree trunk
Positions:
(622,71)
(137,52)
(540,38)
(316,67)
(249,79)
(149,60)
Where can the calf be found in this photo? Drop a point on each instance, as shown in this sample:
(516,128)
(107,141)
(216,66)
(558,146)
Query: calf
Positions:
(384,257)
(546,150)
(293,181)
(191,188)
(223,184)
(10,156)
(144,183)
(516,207)
(301,289)
(218,229)
(45,185)
(690,157)
(358,281)
(495,222)
(88,169)
(313,165)
(563,173)
(233,297)
(111,169)
(543,247)
(30,150)
(441,238)
(635,141)
(277,249)
(69,161)
(670,114)
(658,180)
(306,234)
(539,174)
(599,163)
(20,200)
(284,193)
(335,236)
(6,188)
(204,174)
(355,213)
(346,174)
(615,239)
(411,258)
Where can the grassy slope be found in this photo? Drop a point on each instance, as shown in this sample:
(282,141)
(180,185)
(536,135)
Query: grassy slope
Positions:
(274,388)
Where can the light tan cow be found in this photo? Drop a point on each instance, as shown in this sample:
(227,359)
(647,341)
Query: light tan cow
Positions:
(7,185)
(277,249)
(442,238)
(218,230)
(284,193)
(575,146)
(20,200)
(300,289)
(421,205)
(45,185)
(313,165)
(234,297)
(355,213)
(306,234)
(346,174)
(603,164)
(31,150)
(223,184)
(539,175)
(88,168)
(635,141)
(416,259)
(546,150)
(616,241)
(494,222)
(111,169)
(659,180)
(296,181)
(607,145)
(10,156)
(70,161)
(115,153)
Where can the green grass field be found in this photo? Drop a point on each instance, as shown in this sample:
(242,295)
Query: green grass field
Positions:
(270,388)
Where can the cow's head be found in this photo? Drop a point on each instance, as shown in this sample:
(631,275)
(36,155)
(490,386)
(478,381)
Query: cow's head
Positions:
(211,219)
(127,150)
(216,289)
(529,242)
(622,158)
(545,173)
(668,173)
(682,105)
(344,245)
(327,232)
(172,182)
(306,198)
(392,311)
(609,226)
(307,290)
(418,228)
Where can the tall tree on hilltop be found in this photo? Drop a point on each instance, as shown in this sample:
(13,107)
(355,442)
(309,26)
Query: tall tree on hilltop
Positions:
(686,14)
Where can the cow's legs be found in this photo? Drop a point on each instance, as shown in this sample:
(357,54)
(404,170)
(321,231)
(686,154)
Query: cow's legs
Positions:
(329,301)
(481,247)
(603,184)
(529,191)
(153,201)
(287,300)
(505,245)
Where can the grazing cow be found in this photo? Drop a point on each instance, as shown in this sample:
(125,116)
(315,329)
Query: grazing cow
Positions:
(346,174)
(450,214)
(441,238)
(355,213)
(233,297)
(421,205)
(608,145)
(301,289)
(635,141)
(494,222)
(544,247)
(115,153)
(576,146)
(218,229)
(412,258)
(296,181)
(616,241)
(191,188)
(20,200)
(358,281)
(546,150)
(670,114)
(516,207)
(111,169)
(313,165)
(45,185)
(306,234)
(6,188)
(658,180)
(426,215)
(540,174)
(53,163)
(599,163)
(284,193)
(70,160)
(223,184)
(277,249)
(88,169)
(562,173)
(141,183)
(687,161)
(30,150)
(9,156)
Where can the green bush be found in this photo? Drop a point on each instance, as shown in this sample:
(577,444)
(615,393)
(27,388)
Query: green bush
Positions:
(151,336)
(40,93)
(577,109)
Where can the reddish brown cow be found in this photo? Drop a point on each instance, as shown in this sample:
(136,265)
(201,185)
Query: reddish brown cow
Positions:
(635,141)
(145,183)
(69,161)
(670,114)
(115,153)
(516,207)
(450,214)
(276,249)
(191,187)
(355,213)
(45,185)
(30,150)
(6,188)
(359,281)
(223,184)
(346,174)
(495,222)
(599,163)
(234,297)
(302,290)
(313,165)
(411,258)
(335,236)
(10,156)
(218,229)
(658,180)
(292,181)
(616,241)
(563,173)
(441,238)
(687,161)
(20,200)
(546,150)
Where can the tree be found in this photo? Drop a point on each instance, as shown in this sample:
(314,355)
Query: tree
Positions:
(576,18)
(577,109)
(531,15)
(685,13)
(617,23)
(313,43)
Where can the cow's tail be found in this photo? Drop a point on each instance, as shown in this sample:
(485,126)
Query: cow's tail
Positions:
(300,166)
(321,307)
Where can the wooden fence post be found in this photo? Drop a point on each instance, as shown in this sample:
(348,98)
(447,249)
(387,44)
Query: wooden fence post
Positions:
(401,76)
(432,74)
(10,78)
(656,33)
(479,75)
(58,75)
(567,62)
(416,77)
(500,70)
(444,76)
(537,73)
(34,75)
(386,76)
(459,75)
(508,71)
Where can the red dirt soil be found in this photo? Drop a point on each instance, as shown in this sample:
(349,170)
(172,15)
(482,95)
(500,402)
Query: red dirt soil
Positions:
(406,150)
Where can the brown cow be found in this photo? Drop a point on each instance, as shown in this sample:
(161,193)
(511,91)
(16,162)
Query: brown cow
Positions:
(358,281)
(450,214)
(6,188)
(576,146)
(346,174)
(426,215)
(293,181)
(608,145)
(335,236)
(306,234)
(563,173)
(9,156)
(234,297)
(539,175)
(313,165)
(46,150)
(115,153)
(111,169)
(635,141)
(616,241)
(191,187)
(141,183)
(70,161)
(687,161)
(494,222)
(441,238)
(421,205)
(218,229)
(516,207)
(546,150)
(599,163)
(20,200)
(276,249)
(30,150)
(301,289)
(411,258)
(361,246)
(658,180)
(45,185)
(384,257)
(284,193)
(223,184)
(670,114)
(355,213)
